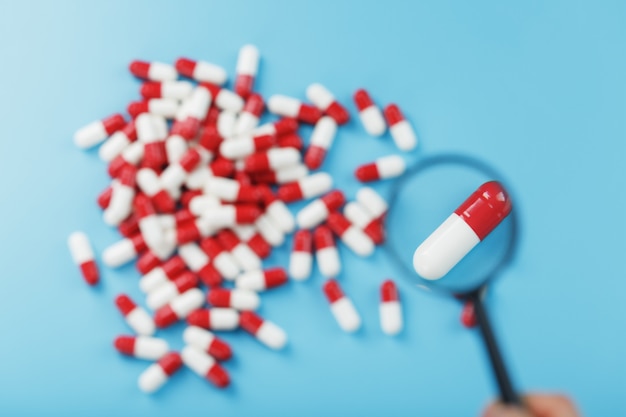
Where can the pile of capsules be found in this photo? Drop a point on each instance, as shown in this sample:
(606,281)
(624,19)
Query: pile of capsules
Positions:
(199,192)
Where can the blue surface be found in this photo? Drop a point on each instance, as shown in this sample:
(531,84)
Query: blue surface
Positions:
(537,88)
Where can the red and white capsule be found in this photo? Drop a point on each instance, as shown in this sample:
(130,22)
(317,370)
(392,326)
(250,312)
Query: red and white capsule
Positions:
(177,90)
(170,269)
(124,251)
(246,70)
(148,182)
(226,123)
(83,256)
(401,130)
(321,140)
(130,156)
(141,347)
(391,321)
(158,373)
(318,210)
(239,299)
(191,113)
(199,263)
(342,307)
(165,107)
(326,254)
(174,175)
(272,160)
(353,237)
(216,318)
(250,115)
(326,102)
(468,315)
(224,98)
(205,366)
(308,187)
(261,280)
(222,260)
(301,257)
(470,223)
(97,131)
(121,204)
(149,223)
(118,141)
(207,342)
(361,218)
(254,240)
(201,71)
(229,215)
(179,308)
(281,127)
(151,132)
(382,168)
(242,253)
(265,331)
(246,145)
(292,107)
(153,71)
(171,289)
(136,317)
(369,113)
(230,190)
(282,176)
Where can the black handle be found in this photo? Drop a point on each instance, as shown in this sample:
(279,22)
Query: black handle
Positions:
(507,393)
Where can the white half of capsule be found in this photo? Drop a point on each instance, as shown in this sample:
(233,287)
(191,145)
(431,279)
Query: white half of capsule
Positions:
(269,231)
(140,321)
(390,166)
(175,148)
(223,318)
(196,105)
(238,147)
(244,300)
(300,265)
(147,128)
(153,280)
(226,123)
(222,216)
(271,335)
(444,248)
(198,337)
(152,232)
(346,315)
(225,189)
(246,122)
(133,153)
(248,60)
(177,90)
(291,173)
(284,105)
(119,253)
(148,182)
(153,378)
(246,258)
(373,120)
(80,248)
(113,146)
(197,178)
(159,71)
(312,214)
(90,135)
(167,246)
(281,216)
(188,301)
(229,101)
(174,176)
(165,107)
(324,132)
(162,295)
(150,348)
(403,135)
(357,241)
(196,360)
(372,202)
(120,206)
(357,214)
(315,185)
(251,281)
(320,96)
(391,321)
(328,261)
(201,203)
(226,265)
(205,71)
(282,157)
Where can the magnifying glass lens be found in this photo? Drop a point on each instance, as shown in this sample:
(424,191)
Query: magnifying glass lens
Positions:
(435,197)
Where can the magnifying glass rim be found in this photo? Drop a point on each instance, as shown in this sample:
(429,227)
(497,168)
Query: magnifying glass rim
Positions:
(459,160)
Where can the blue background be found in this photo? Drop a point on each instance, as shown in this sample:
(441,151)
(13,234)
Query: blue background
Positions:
(536,88)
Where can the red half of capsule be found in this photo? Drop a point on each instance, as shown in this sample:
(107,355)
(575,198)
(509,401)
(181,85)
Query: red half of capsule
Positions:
(485,208)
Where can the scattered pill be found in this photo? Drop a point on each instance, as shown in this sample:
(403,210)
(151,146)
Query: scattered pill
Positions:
(246,70)
(326,254)
(321,140)
(468,315)
(83,256)
(382,168)
(401,131)
(341,306)
(205,366)
(136,317)
(261,280)
(154,71)
(179,308)
(216,318)
(353,237)
(207,342)
(157,374)
(141,347)
(470,223)
(301,258)
(169,290)
(369,113)
(291,107)
(305,188)
(391,321)
(318,210)
(243,255)
(118,141)
(250,114)
(201,71)
(265,331)
(372,202)
(326,102)
(239,299)
(97,131)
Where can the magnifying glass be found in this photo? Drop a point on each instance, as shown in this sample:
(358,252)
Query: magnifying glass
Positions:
(425,206)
